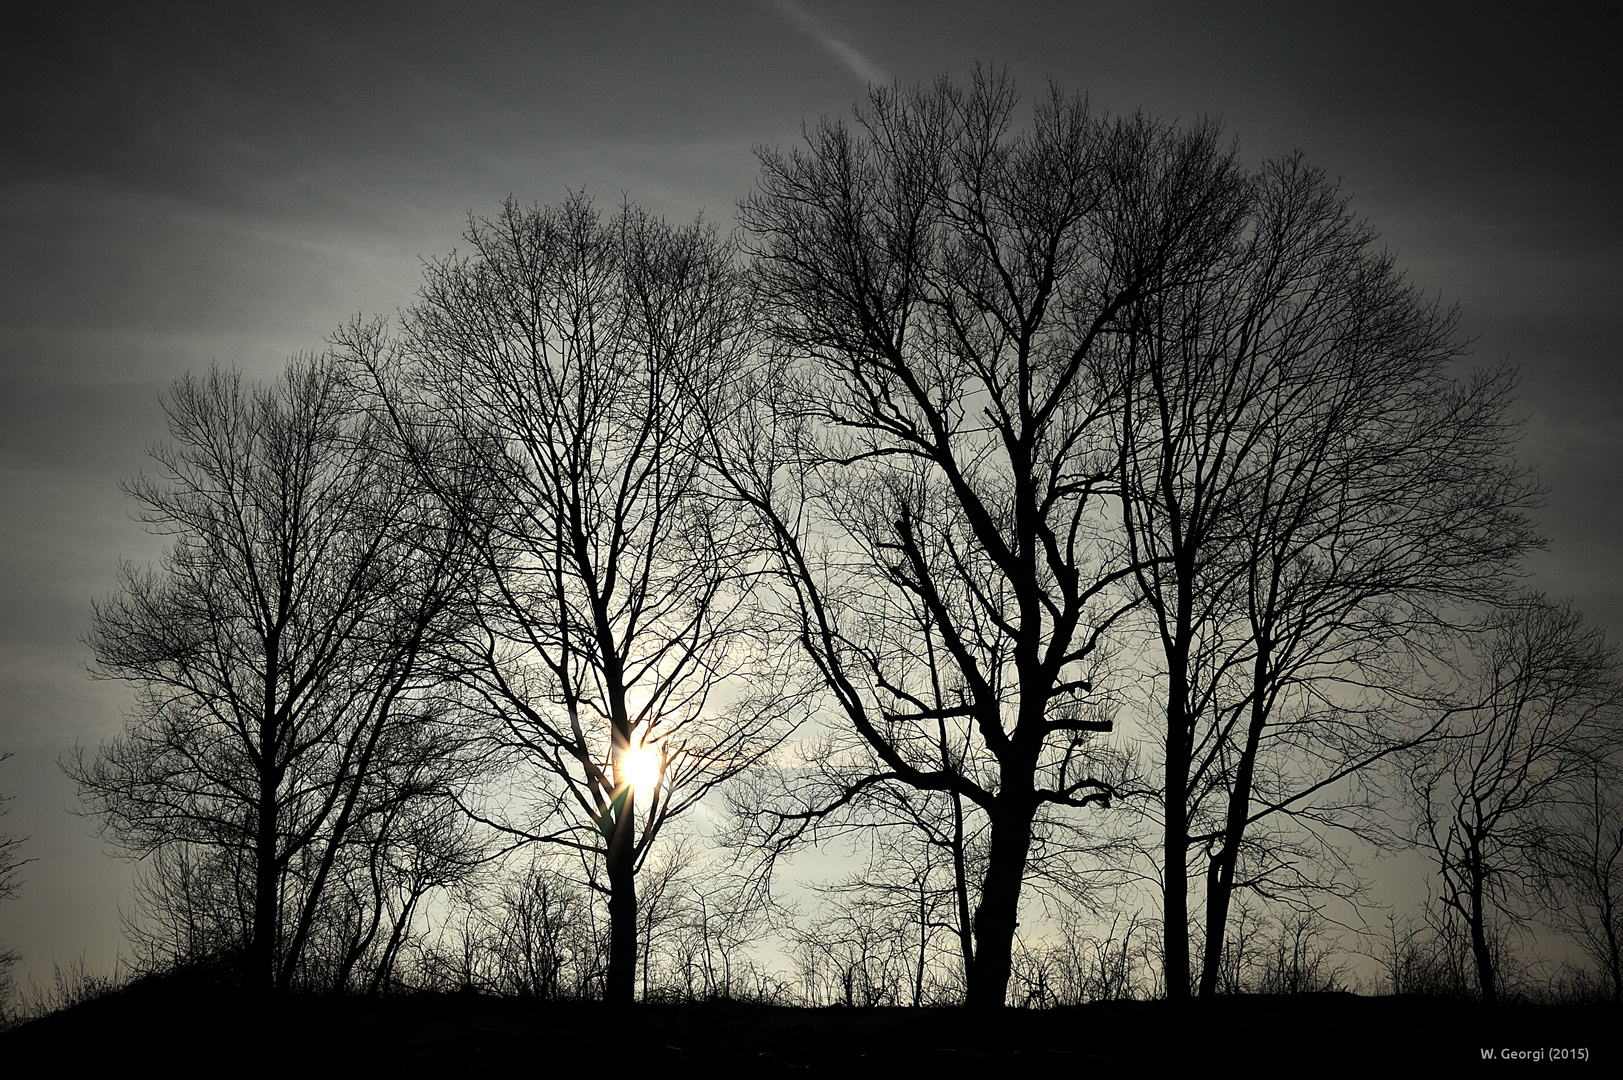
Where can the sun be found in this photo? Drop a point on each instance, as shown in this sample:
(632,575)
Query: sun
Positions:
(641,766)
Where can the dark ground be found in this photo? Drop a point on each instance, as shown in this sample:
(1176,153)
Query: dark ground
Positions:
(195,1027)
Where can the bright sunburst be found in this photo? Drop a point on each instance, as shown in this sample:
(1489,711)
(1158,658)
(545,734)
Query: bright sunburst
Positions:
(640,766)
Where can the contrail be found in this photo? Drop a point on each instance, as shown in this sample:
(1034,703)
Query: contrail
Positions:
(808,24)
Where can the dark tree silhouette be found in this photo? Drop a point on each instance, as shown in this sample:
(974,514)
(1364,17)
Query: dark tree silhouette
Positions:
(1305,497)
(283,715)
(922,842)
(1547,710)
(542,383)
(11,861)
(1581,868)
(940,288)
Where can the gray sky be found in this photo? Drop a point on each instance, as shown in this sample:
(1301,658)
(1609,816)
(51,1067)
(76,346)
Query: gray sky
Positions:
(185,183)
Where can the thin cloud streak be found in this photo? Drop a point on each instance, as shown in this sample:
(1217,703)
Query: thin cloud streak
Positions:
(820,35)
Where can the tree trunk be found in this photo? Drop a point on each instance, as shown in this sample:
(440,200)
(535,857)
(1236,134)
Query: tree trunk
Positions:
(1219,888)
(924,941)
(262,947)
(647,930)
(1175,838)
(1220,876)
(383,973)
(1485,978)
(1614,948)
(999,911)
(960,886)
(338,836)
(621,988)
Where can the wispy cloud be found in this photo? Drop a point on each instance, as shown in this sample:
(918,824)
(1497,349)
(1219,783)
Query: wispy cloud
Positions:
(825,39)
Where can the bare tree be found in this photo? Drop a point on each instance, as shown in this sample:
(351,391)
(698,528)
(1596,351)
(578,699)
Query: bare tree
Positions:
(936,465)
(537,938)
(278,654)
(1419,956)
(1546,708)
(911,890)
(399,858)
(663,895)
(192,905)
(721,916)
(1305,493)
(542,384)
(1083,962)
(1582,870)
(858,954)
(11,861)
(925,846)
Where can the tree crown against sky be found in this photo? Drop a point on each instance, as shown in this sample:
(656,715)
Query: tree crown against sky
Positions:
(216,185)
(541,387)
(285,722)
(1506,804)
(968,323)
(939,282)
(992,340)
(1312,506)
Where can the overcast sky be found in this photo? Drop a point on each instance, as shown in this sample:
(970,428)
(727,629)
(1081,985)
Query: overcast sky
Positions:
(181,184)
